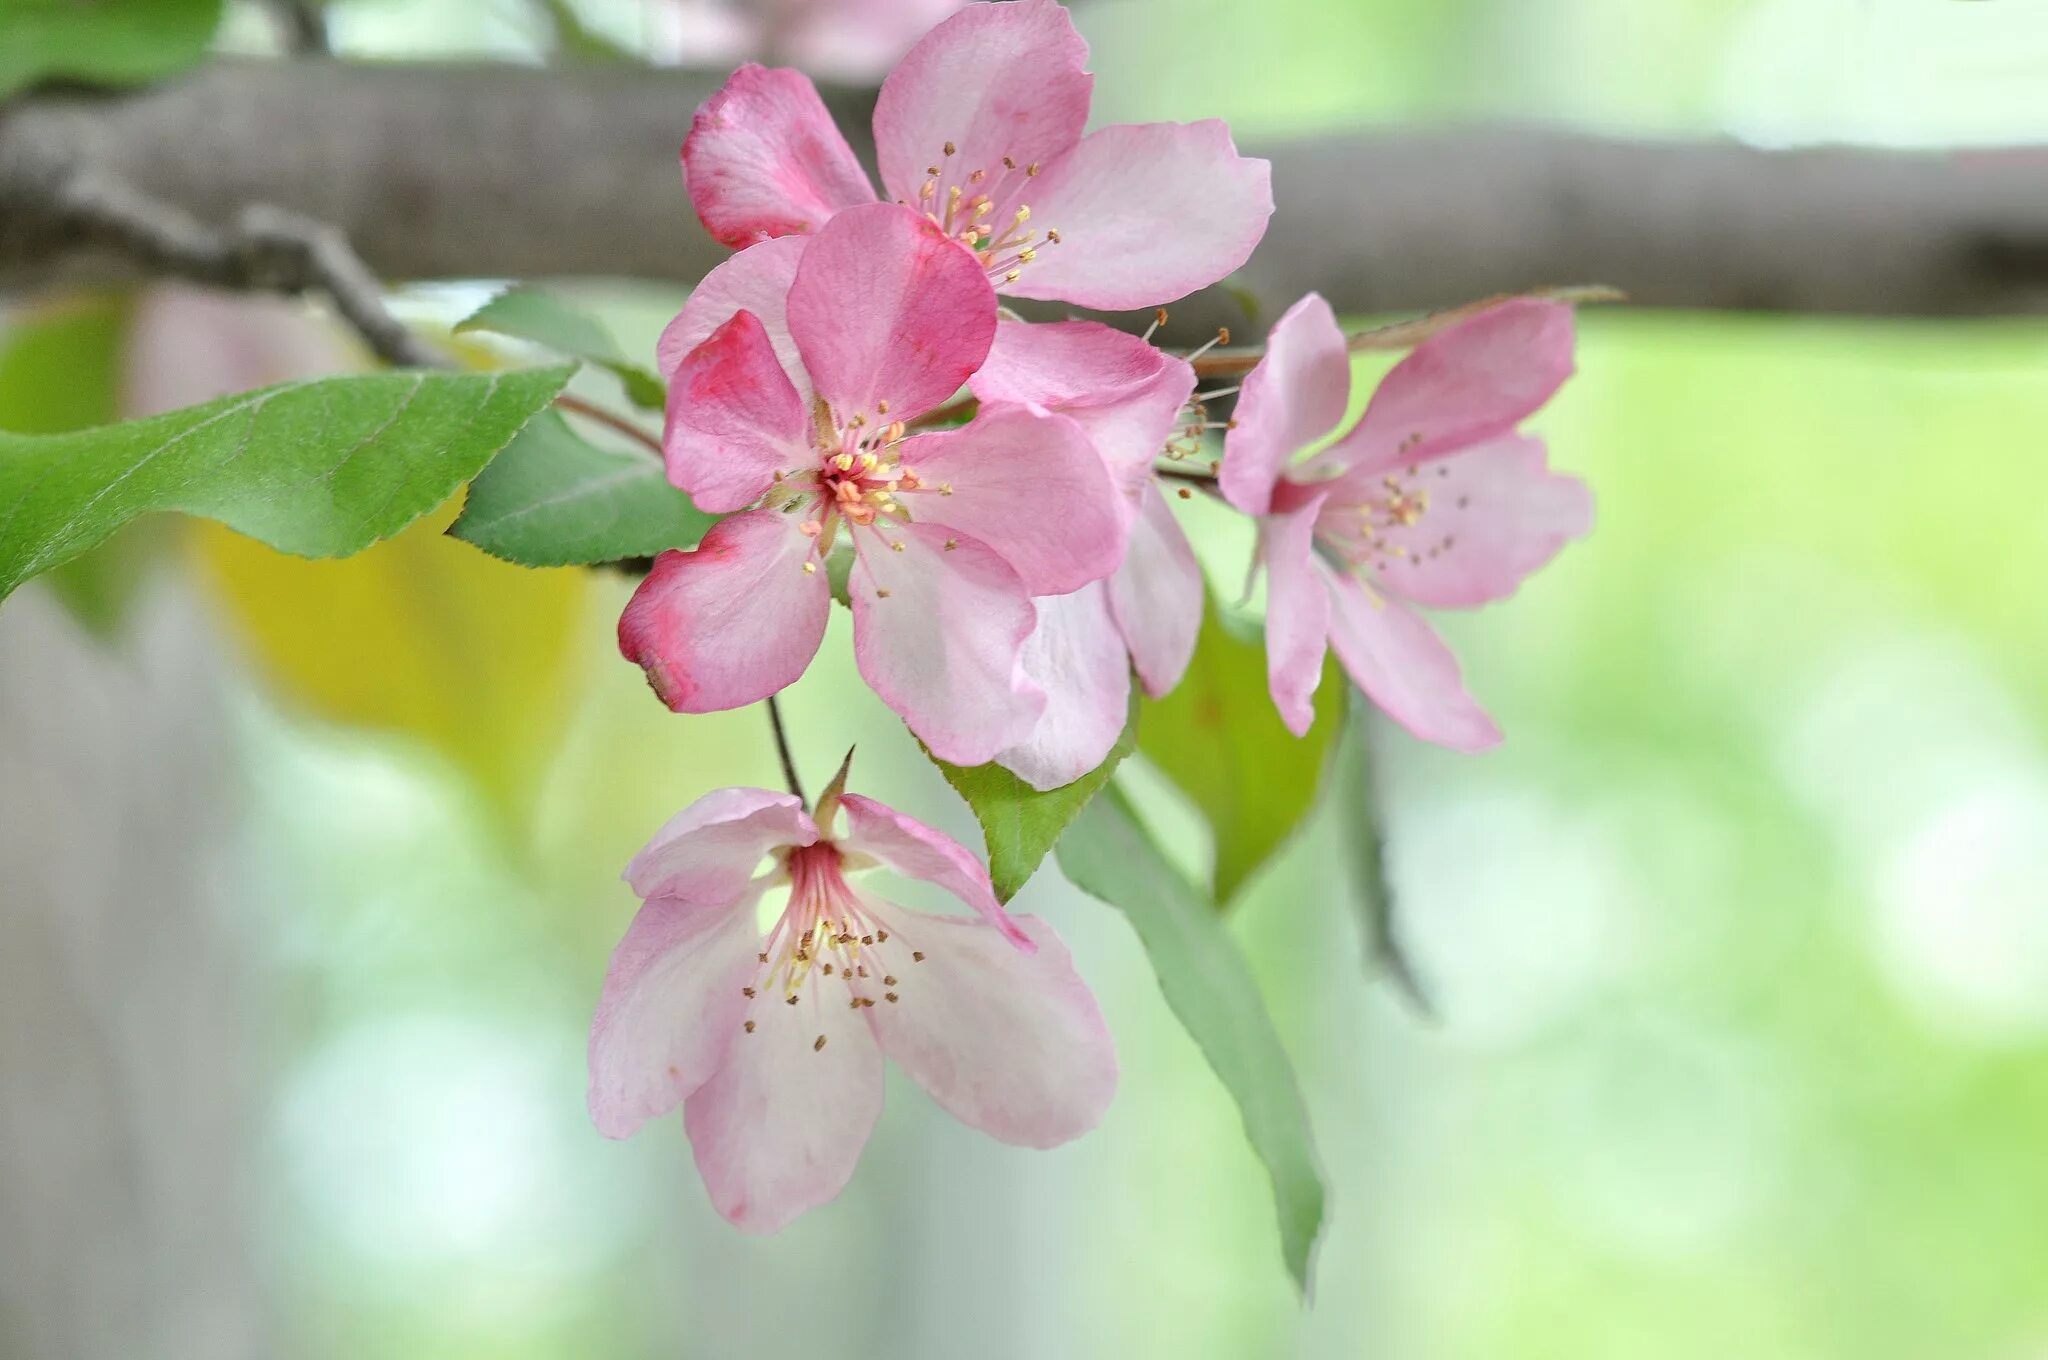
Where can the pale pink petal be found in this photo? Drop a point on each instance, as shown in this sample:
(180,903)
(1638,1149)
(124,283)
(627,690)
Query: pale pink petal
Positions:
(1147,213)
(1078,655)
(708,852)
(1297,612)
(1010,1043)
(994,81)
(779,1128)
(886,309)
(1125,392)
(858,40)
(756,280)
(1028,484)
(763,159)
(1482,519)
(670,1010)
(1404,667)
(1294,397)
(189,345)
(1156,595)
(734,419)
(732,621)
(908,847)
(938,632)
(1460,387)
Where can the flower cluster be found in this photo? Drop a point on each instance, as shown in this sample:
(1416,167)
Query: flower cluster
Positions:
(1009,558)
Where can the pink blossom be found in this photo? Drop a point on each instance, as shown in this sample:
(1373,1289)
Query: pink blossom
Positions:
(773,1042)
(1129,397)
(839,39)
(795,403)
(1431,499)
(981,128)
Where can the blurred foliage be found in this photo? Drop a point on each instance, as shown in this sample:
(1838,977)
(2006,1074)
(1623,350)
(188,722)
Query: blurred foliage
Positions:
(106,42)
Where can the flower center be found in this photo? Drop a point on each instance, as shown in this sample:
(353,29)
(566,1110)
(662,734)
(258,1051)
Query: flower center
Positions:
(973,205)
(860,469)
(826,940)
(1383,527)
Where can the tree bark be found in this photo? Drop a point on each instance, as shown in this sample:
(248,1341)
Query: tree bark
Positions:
(489,171)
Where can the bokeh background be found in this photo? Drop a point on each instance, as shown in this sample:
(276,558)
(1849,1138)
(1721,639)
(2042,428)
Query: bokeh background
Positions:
(1739,946)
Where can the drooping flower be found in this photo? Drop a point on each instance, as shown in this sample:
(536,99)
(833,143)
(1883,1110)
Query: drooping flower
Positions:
(1433,498)
(981,128)
(840,39)
(772,1040)
(1129,397)
(799,403)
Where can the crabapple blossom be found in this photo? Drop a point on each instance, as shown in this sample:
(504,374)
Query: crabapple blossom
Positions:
(1433,498)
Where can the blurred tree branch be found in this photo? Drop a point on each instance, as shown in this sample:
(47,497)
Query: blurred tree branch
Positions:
(490,171)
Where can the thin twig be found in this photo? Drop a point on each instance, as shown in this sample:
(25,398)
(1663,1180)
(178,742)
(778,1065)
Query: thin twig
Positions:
(782,749)
(592,411)
(303,26)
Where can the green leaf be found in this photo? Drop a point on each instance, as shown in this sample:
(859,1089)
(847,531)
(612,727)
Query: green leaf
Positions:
(1019,823)
(525,314)
(553,499)
(104,42)
(1108,854)
(1365,843)
(576,39)
(319,469)
(1219,738)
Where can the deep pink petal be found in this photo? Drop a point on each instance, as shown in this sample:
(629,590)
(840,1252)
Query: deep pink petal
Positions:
(994,81)
(1125,392)
(708,852)
(1156,595)
(1079,657)
(670,1009)
(1147,213)
(763,159)
(886,309)
(908,847)
(1297,613)
(1462,386)
(734,419)
(1294,397)
(1028,484)
(1404,667)
(1482,520)
(732,621)
(779,1128)
(1011,1043)
(756,280)
(938,632)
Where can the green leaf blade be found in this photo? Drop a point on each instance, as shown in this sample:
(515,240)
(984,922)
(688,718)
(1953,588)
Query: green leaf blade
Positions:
(553,499)
(111,42)
(318,469)
(1108,854)
(528,314)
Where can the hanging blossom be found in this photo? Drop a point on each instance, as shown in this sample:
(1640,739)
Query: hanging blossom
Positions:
(797,405)
(1431,499)
(839,39)
(1130,398)
(980,128)
(772,1042)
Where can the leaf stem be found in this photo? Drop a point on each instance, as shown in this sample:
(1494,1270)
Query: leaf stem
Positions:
(592,411)
(782,749)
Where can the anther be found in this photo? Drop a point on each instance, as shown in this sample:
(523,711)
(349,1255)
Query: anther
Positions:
(810,569)
(1009,163)
(889,980)
(1013,275)
(810,528)
(881,594)
(896,546)
(866,939)
(1052,236)
(951,544)
(917,956)
(844,462)
(952,150)
(1186,494)
(882,407)
(1032,169)
(890,995)
(828,970)
(792,1001)
(750,1027)
(978,176)
(819,1046)
(763,958)
(882,935)
(747,991)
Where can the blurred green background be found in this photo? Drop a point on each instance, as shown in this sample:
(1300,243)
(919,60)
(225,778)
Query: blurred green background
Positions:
(1740,944)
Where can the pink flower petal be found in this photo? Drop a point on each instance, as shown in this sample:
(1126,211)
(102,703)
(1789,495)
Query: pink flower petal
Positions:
(733,621)
(1078,655)
(734,419)
(756,280)
(1297,612)
(1011,1043)
(1125,392)
(1460,387)
(858,40)
(1492,515)
(779,1128)
(908,847)
(993,81)
(937,632)
(886,309)
(1156,596)
(707,854)
(1404,667)
(1294,397)
(670,1010)
(763,159)
(1147,213)
(1028,484)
